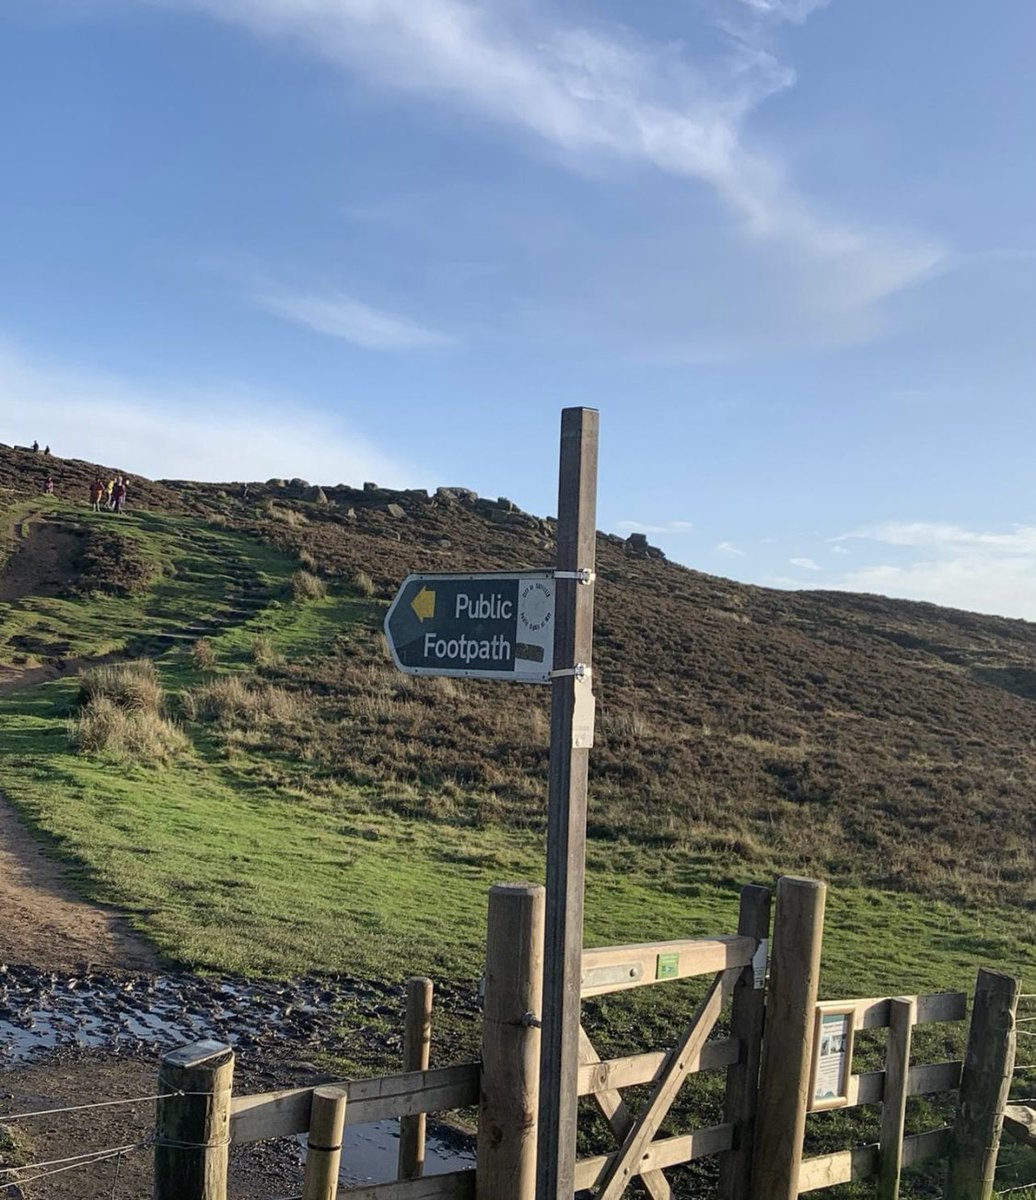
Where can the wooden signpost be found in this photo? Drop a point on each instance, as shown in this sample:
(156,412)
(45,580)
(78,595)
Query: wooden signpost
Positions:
(535,626)
(571,736)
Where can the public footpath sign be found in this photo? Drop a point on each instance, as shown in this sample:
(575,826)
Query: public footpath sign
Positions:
(492,625)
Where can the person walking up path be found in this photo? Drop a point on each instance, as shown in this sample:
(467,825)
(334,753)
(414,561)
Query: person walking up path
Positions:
(96,494)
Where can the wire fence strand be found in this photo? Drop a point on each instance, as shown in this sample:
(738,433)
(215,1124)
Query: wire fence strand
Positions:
(73,1158)
(48,1112)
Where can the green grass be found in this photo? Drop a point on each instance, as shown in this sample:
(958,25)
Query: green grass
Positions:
(205,579)
(255,852)
(226,866)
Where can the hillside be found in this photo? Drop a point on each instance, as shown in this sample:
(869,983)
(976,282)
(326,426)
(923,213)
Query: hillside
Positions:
(870,741)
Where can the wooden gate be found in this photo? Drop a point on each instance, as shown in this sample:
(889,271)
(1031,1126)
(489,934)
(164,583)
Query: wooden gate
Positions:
(737,965)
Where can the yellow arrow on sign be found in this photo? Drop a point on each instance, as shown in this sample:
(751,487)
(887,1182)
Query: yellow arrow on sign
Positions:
(424,604)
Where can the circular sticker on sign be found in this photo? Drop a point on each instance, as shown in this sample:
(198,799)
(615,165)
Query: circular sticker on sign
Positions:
(536,605)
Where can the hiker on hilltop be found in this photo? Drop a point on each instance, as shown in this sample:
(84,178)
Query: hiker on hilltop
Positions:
(35,447)
(119,495)
(48,487)
(96,493)
(109,493)
(46,449)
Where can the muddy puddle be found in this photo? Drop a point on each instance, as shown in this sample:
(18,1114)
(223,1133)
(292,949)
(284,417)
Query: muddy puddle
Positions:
(45,1011)
(370,1153)
(146,1015)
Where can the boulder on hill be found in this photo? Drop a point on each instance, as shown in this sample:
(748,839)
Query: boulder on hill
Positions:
(456,494)
(638,547)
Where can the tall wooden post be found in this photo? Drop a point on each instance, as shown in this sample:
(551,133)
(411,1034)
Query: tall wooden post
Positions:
(324,1144)
(784,1084)
(192,1122)
(746,1024)
(984,1086)
(417,1049)
(902,1018)
(509,1092)
(571,734)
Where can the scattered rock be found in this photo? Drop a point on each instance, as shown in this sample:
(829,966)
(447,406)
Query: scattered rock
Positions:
(316,494)
(395,510)
(637,547)
(456,493)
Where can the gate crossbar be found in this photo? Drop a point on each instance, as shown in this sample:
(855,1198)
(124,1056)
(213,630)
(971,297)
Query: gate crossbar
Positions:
(679,1064)
(612,1107)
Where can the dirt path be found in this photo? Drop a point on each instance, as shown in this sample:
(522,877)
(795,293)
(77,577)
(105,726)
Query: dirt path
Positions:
(45,923)
(258,1172)
(41,562)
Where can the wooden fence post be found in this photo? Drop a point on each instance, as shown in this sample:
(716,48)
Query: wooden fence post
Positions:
(902,1018)
(509,1093)
(192,1122)
(324,1144)
(746,1024)
(417,1049)
(784,1085)
(984,1085)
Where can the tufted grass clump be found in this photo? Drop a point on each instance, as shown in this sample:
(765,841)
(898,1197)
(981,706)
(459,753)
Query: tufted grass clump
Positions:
(105,729)
(131,686)
(307,586)
(234,702)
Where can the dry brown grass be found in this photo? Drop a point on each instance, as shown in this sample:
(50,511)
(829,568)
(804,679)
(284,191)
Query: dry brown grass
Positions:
(128,735)
(362,583)
(133,686)
(203,654)
(262,652)
(307,586)
(287,516)
(234,702)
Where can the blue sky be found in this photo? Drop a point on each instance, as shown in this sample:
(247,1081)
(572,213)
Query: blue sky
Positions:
(785,246)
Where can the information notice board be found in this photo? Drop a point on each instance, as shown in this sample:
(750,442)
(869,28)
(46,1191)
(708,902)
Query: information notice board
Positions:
(832,1055)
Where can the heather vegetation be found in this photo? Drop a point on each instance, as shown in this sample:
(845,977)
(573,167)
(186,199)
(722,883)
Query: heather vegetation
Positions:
(253,782)
(250,779)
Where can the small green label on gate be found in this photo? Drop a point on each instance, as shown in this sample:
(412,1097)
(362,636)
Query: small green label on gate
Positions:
(668,966)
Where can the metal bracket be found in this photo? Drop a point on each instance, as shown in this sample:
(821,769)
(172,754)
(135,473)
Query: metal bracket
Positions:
(584,575)
(579,671)
(531,1021)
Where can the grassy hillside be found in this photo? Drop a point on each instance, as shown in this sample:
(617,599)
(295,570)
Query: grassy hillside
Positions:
(264,793)
(330,811)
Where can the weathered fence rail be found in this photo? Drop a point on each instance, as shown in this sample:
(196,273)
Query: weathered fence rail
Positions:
(770,1085)
(285,1113)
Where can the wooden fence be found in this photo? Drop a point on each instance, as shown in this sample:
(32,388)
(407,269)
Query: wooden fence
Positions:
(769,1083)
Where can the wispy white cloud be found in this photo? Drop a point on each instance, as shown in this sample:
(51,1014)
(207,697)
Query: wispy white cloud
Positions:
(220,432)
(342,316)
(991,571)
(730,548)
(602,93)
(805,564)
(1019,539)
(796,11)
(642,527)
